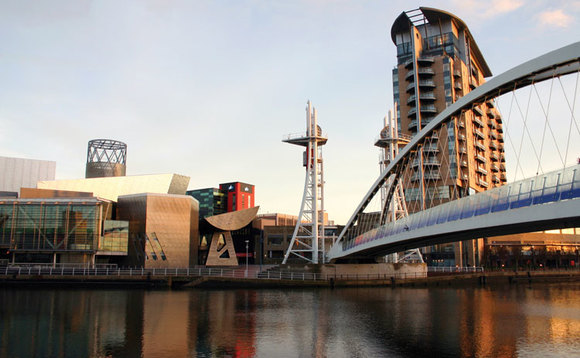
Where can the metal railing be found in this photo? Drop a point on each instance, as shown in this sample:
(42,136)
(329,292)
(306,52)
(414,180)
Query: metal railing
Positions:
(454,269)
(253,272)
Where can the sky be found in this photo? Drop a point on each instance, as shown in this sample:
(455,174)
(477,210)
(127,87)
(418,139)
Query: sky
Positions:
(208,89)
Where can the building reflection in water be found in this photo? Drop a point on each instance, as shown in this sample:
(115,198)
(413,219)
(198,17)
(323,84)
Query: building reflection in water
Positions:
(503,321)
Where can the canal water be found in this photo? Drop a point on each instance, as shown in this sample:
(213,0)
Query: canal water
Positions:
(538,320)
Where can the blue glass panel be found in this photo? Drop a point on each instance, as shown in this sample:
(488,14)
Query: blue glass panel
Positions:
(423,220)
(570,194)
(454,213)
(520,203)
(483,207)
(442,217)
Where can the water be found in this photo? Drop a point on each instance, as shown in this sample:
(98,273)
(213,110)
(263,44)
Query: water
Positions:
(507,321)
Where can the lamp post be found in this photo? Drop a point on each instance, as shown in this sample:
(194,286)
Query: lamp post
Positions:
(247,241)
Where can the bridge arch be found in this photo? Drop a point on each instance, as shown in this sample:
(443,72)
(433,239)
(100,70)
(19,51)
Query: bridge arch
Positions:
(557,63)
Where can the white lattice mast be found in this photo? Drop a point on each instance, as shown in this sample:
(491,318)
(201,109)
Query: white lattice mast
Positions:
(308,238)
(390,140)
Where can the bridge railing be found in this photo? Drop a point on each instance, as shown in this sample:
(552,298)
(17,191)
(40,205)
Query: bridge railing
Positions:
(547,188)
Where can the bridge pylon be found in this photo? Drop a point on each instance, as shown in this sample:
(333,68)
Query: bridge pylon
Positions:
(308,238)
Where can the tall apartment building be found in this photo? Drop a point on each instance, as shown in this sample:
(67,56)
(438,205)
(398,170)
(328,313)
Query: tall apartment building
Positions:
(438,62)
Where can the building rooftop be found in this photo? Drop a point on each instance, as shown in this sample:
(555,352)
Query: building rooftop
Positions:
(434,16)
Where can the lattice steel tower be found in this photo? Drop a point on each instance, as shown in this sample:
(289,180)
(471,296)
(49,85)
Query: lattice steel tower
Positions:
(106,158)
(390,141)
(308,238)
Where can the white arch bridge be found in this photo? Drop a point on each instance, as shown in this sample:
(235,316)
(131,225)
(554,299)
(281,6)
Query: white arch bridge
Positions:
(548,198)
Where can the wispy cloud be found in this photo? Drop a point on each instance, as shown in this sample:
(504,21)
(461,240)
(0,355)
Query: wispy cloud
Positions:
(499,7)
(486,9)
(555,18)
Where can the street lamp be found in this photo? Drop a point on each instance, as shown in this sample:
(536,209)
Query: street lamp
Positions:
(247,241)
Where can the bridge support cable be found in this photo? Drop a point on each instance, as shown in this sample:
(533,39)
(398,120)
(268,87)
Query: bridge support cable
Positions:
(472,130)
(572,116)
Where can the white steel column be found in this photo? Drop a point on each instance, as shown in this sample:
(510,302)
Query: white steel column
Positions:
(308,236)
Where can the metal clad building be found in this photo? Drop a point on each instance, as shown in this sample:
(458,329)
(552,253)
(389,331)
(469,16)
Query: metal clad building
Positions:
(16,173)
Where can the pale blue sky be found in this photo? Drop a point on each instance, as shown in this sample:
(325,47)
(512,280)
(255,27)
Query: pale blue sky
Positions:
(208,88)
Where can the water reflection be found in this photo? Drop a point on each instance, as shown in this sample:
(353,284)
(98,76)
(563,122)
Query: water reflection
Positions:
(505,321)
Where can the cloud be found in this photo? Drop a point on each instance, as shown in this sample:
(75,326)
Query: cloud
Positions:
(487,10)
(554,18)
(504,6)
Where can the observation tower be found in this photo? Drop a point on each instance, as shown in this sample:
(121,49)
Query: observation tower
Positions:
(308,238)
(390,141)
(106,158)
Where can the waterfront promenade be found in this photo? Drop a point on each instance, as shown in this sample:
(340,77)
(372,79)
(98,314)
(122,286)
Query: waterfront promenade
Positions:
(268,276)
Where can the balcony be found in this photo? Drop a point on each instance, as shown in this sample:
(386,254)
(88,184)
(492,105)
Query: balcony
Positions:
(502,167)
(491,124)
(432,176)
(493,145)
(410,75)
(461,137)
(429,108)
(461,123)
(458,86)
(480,158)
(425,71)
(482,183)
(426,120)
(426,60)
(427,96)
(480,145)
(430,161)
(502,177)
(494,157)
(464,163)
(502,158)
(500,138)
(494,168)
(500,129)
(492,134)
(490,103)
(478,122)
(472,83)
(481,170)
(457,73)
(500,147)
(462,150)
(490,113)
(431,148)
(427,84)
(495,179)
(477,111)
(412,112)
(479,133)
(413,125)
(411,87)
